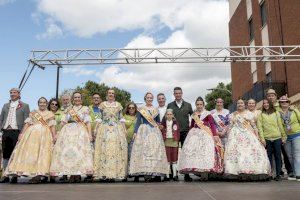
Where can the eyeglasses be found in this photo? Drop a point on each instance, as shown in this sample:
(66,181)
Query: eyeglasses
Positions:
(131,108)
(54,104)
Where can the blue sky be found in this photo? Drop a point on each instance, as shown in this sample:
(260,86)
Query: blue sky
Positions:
(41,24)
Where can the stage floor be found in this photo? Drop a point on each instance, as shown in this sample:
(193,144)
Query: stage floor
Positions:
(284,190)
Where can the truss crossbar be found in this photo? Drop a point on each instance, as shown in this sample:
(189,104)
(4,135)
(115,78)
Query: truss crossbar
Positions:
(165,55)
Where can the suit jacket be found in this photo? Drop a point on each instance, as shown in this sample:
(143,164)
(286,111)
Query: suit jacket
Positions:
(22,113)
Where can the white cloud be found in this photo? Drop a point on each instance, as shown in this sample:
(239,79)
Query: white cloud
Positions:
(78,71)
(193,23)
(4,2)
(52,29)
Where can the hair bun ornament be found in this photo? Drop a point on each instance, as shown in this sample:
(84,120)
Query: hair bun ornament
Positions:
(199,99)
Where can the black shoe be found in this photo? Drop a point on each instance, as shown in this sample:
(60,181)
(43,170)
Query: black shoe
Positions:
(281,173)
(63,179)
(35,180)
(14,180)
(72,179)
(187,178)
(166,179)
(111,180)
(156,179)
(147,179)
(88,179)
(4,180)
(52,179)
(175,178)
(44,180)
(77,179)
(136,179)
(124,180)
(277,178)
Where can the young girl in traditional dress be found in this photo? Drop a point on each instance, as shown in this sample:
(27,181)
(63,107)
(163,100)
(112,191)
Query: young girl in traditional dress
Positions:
(32,155)
(171,137)
(202,151)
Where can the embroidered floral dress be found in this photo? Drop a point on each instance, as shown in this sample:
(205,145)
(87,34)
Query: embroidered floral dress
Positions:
(148,155)
(32,155)
(73,153)
(244,154)
(111,145)
(221,119)
(199,152)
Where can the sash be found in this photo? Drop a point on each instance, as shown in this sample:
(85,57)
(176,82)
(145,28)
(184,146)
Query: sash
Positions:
(245,123)
(148,116)
(201,125)
(75,117)
(218,120)
(39,118)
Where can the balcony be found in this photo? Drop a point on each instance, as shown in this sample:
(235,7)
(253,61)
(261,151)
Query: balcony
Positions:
(258,92)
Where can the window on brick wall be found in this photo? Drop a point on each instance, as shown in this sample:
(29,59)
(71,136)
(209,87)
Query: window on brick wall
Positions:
(254,76)
(251,29)
(263,13)
(269,77)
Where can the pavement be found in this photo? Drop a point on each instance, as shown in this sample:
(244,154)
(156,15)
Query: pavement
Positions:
(283,190)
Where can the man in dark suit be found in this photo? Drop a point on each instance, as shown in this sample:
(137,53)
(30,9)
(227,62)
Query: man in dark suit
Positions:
(12,120)
(182,111)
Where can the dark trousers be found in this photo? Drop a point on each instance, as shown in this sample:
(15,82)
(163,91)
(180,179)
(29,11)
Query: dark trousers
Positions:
(286,161)
(183,135)
(9,141)
(274,148)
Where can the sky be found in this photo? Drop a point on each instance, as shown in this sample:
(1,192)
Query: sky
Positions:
(27,25)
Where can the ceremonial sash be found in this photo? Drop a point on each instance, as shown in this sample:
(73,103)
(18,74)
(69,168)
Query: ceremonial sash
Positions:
(246,124)
(39,118)
(75,117)
(148,116)
(218,120)
(201,125)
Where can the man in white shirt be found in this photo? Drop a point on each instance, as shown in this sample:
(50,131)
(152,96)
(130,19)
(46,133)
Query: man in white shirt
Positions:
(12,119)
(161,100)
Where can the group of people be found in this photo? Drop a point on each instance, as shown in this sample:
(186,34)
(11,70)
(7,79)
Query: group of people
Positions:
(104,142)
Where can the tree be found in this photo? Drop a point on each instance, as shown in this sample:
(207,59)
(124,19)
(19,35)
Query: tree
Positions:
(223,91)
(92,87)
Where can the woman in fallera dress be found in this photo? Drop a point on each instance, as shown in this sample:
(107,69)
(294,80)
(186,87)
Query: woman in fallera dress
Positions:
(73,153)
(32,155)
(221,118)
(110,161)
(245,157)
(202,151)
(148,155)
(251,106)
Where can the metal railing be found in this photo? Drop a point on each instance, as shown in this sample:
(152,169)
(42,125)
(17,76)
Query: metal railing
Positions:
(258,92)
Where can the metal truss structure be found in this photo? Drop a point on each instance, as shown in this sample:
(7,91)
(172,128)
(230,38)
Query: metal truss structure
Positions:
(164,55)
(92,57)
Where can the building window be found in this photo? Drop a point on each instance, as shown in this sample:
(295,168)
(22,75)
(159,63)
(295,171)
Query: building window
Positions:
(254,76)
(269,77)
(263,13)
(251,29)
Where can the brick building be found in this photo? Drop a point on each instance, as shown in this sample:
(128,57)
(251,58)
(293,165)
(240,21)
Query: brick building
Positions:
(265,23)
